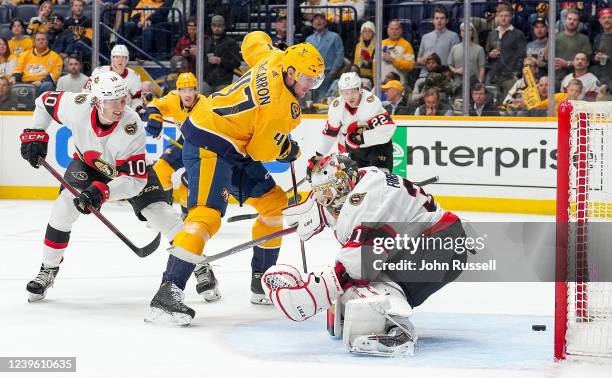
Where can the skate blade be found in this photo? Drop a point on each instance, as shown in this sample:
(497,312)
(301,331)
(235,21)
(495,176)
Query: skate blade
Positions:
(212,295)
(161,317)
(260,299)
(36,297)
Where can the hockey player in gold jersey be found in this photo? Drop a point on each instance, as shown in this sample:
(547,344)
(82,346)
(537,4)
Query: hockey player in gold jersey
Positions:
(176,107)
(227,137)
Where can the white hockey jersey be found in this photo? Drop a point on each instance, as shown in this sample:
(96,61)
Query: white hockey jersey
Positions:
(343,119)
(380,198)
(132,80)
(118,151)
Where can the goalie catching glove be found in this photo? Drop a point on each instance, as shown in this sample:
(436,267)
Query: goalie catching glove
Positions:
(299,299)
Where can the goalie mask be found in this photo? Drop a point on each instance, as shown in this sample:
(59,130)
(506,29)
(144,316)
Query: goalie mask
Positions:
(332,179)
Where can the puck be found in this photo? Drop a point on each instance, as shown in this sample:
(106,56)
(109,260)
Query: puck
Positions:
(538,327)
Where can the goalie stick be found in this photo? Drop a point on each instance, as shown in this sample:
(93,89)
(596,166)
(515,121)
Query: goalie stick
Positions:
(286,231)
(140,252)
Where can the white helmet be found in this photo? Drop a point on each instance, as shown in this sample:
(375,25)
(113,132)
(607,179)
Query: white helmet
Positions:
(120,50)
(109,86)
(349,80)
(332,179)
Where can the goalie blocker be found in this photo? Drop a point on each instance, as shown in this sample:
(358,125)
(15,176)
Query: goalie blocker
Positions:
(371,317)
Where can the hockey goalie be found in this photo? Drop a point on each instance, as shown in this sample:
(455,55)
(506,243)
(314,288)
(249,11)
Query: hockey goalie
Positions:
(372,317)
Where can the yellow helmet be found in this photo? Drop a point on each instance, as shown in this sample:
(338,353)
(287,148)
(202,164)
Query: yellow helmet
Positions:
(186,80)
(305,59)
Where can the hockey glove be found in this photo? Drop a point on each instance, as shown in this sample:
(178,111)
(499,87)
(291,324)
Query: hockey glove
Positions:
(154,122)
(94,195)
(354,137)
(312,162)
(297,299)
(289,152)
(34,145)
(307,216)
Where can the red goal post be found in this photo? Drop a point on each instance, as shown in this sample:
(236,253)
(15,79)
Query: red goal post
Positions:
(583,306)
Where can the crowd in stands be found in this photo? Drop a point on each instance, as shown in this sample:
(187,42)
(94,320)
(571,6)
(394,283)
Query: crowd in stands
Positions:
(422,68)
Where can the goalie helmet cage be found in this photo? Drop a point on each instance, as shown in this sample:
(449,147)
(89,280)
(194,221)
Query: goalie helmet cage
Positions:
(583,306)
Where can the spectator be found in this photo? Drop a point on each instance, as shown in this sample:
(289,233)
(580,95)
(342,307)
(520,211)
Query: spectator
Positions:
(222,58)
(42,22)
(39,66)
(20,42)
(589,81)
(514,98)
(477,60)
(574,89)
(398,55)
(439,41)
(438,76)
(481,104)
(568,44)
(604,94)
(541,109)
(397,103)
(7,103)
(279,39)
(78,23)
(364,50)
(347,16)
(537,47)
(61,40)
(506,48)
(120,7)
(145,21)
(74,81)
(432,105)
(602,48)
(8,61)
(310,13)
(330,46)
(185,50)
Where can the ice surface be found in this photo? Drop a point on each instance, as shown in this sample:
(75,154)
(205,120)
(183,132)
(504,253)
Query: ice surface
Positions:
(96,309)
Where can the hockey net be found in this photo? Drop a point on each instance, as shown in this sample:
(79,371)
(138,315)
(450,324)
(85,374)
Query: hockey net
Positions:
(583,303)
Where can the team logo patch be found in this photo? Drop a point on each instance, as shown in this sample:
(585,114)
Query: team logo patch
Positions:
(356,199)
(335,103)
(295,110)
(80,99)
(370,98)
(274,74)
(79,175)
(131,129)
(225,194)
(105,168)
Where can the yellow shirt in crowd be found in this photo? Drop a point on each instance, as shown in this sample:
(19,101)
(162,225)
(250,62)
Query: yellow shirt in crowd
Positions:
(18,47)
(34,66)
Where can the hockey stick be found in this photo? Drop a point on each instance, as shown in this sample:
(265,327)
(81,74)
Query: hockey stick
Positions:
(247,245)
(278,234)
(292,201)
(302,248)
(140,252)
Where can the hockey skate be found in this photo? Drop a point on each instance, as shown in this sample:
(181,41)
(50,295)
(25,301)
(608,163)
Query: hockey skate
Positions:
(257,293)
(37,288)
(396,343)
(207,283)
(167,306)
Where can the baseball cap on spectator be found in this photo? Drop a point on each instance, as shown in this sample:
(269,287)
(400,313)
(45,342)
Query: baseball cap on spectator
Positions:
(540,20)
(395,84)
(319,14)
(57,16)
(603,12)
(218,19)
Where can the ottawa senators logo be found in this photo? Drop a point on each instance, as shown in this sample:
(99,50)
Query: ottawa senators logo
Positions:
(356,199)
(105,168)
(79,175)
(370,98)
(335,103)
(80,99)
(295,110)
(131,128)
